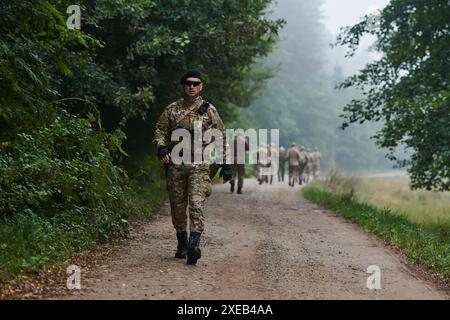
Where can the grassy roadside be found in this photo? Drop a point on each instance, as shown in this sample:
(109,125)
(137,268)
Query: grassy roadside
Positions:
(420,206)
(427,242)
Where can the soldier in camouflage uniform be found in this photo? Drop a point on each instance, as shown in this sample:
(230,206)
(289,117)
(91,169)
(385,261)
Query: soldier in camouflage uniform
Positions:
(272,152)
(308,169)
(315,158)
(293,156)
(238,168)
(188,183)
(282,158)
(263,163)
(303,164)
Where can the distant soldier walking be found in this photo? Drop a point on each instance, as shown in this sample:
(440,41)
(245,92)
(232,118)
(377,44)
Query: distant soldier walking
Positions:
(308,169)
(188,183)
(293,156)
(238,167)
(303,163)
(282,158)
(272,153)
(263,162)
(316,157)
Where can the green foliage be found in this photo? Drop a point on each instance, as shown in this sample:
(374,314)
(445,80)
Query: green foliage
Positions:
(60,168)
(29,242)
(60,193)
(70,98)
(408,89)
(424,243)
(145,47)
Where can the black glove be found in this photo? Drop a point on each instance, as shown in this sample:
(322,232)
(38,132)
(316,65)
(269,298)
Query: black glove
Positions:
(162,152)
(203,108)
(226,172)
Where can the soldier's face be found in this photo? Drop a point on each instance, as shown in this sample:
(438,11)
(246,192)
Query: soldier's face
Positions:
(192,87)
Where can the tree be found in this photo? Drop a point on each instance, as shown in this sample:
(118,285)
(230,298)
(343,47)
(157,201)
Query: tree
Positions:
(408,88)
(146,46)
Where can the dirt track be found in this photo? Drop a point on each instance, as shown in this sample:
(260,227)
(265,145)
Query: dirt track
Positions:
(268,243)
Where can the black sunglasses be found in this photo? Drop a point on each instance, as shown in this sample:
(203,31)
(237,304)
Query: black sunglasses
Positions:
(194,83)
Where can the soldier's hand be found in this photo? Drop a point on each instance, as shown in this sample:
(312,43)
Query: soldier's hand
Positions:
(226,172)
(163,154)
(165,160)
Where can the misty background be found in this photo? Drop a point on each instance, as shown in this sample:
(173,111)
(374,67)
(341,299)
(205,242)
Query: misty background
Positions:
(301,99)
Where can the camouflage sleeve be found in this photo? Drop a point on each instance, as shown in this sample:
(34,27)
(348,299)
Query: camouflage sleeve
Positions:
(217,123)
(162,130)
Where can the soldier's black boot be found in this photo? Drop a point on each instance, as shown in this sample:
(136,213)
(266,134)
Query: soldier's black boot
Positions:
(194,253)
(239,190)
(182,245)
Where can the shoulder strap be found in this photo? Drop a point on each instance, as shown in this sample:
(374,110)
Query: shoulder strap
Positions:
(182,116)
(203,108)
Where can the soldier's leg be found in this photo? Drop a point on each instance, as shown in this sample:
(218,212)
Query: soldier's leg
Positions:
(178,196)
(290,174)
(300,175)
(199,188)
(233,179)
(240,169)
(260,175)
(296,174)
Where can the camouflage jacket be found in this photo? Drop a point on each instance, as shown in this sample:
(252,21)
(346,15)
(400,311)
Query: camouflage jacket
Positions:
(316,157)
(293,156)
(176,115)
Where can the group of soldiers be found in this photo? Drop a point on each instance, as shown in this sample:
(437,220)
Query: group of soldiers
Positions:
(303,164)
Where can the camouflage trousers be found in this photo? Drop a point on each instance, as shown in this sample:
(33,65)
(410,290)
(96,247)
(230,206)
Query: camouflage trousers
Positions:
(301,171)
(294,171)
(188,184)
(281,170)
(308,169)
(315,170)
(239,172)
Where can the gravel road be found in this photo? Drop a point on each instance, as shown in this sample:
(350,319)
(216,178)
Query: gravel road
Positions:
(268,243)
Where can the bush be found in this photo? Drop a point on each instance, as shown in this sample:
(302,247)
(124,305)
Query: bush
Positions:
(60,193)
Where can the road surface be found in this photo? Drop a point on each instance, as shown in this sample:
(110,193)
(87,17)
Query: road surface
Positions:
(268,243)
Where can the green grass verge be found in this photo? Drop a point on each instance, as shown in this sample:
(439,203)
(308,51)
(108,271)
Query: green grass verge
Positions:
(424,243)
